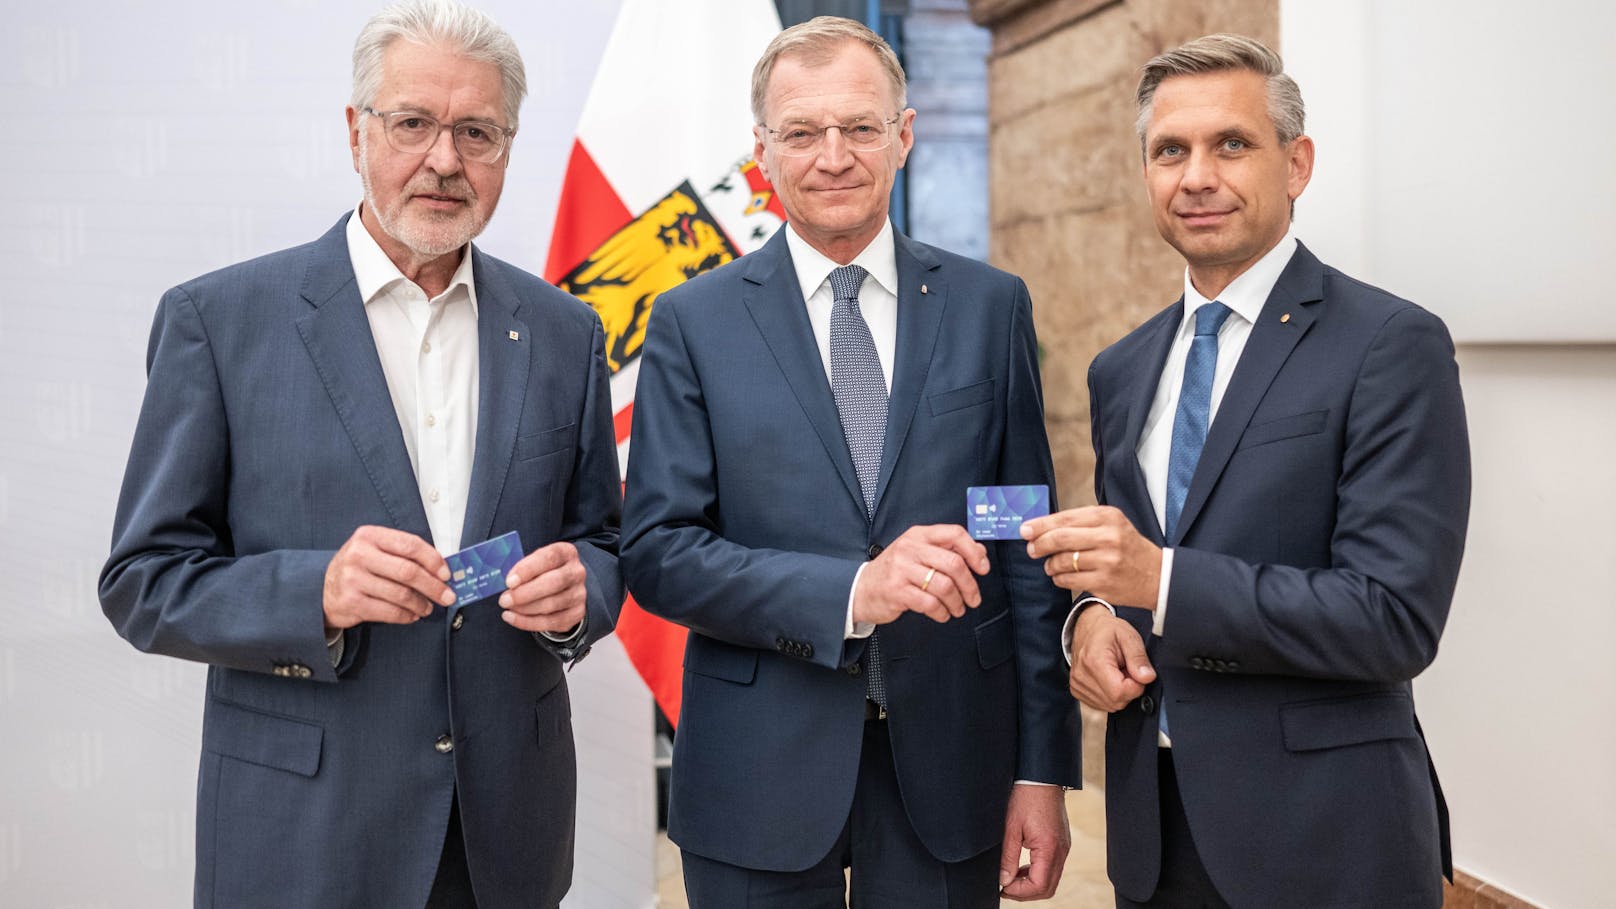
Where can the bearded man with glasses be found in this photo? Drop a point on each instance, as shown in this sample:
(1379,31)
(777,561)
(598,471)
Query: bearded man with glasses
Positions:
(322,426)
(866,686)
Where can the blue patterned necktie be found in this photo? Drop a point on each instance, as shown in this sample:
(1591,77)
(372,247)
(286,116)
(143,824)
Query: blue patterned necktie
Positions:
(860,391)
(1189,424)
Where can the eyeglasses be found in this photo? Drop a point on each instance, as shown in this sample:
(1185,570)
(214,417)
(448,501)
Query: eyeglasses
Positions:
(412,132)
(798,138)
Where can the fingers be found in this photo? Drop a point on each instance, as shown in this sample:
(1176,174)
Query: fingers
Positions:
(1103,666)
(541,560)
(547,590)
(1087,516)
(1135,660)
(383,575)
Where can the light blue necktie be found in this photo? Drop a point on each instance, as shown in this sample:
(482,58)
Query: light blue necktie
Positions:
(1189,424)
(861,401)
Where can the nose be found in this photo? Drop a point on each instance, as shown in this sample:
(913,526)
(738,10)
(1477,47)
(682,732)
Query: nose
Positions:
(443,158)
(1200,174)
(834,154)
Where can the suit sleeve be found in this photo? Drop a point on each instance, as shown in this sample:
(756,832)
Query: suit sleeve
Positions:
(675,559)
(592,512)
(1402,505)
(1050,749)
(174,583)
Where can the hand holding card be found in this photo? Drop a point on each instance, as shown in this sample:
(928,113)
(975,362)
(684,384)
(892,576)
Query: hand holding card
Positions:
(547,590)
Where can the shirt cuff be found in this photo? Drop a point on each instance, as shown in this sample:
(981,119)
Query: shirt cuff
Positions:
(851,630)
(568,637)
(1036,783)
(1071,623)
(334,648)
(1160,618)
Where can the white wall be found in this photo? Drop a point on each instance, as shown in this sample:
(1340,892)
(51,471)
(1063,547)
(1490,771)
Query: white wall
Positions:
(1492,212)
(149,143)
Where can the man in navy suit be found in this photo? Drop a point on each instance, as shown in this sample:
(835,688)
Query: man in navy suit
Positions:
(865,685)
(1284,481)
(321,426)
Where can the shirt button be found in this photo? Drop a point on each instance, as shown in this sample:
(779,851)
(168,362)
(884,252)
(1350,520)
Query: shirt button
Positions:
(874,550)
(444,744)
(426,347)
(433,495)
(431,419)
(459,619)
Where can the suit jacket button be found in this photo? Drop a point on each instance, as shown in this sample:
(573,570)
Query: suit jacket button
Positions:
(1220,666)
(444,744)
(1234,666)
(1147,704)
(298,670)
(807,651)
(1197,663)
(459,619)
(853,669)
(780,645)
(874,550)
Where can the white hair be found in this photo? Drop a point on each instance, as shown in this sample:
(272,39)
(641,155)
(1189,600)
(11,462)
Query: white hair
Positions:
(438,23)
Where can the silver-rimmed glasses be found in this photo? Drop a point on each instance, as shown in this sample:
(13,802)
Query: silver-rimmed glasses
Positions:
(412,132)
(798,138)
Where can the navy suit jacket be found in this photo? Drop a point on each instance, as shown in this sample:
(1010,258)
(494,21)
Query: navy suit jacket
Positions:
(267,437)
(744,523)
(1314,565)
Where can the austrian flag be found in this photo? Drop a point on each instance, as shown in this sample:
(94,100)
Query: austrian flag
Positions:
(660,187)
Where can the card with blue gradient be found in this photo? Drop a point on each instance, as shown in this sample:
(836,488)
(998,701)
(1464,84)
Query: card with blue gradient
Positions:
(996,512)
(479,571)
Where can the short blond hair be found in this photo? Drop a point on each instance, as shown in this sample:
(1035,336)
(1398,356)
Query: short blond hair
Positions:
(816,42)
(1222,53)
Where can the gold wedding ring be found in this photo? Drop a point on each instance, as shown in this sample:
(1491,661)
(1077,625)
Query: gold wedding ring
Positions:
(930,573)
(1074,560)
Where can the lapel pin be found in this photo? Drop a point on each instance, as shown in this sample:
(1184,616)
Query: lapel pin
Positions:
(1285,318)
(517,337)
(922,288)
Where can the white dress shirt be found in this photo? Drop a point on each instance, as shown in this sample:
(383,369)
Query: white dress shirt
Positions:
(878,301)
(1245,297)
(428,351)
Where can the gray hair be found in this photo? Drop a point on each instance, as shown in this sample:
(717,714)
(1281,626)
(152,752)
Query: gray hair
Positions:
(438,23)
(817,41)
(1220,53)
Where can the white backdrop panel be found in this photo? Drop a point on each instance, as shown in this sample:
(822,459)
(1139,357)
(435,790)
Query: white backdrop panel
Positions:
(1462,157)
(149,144)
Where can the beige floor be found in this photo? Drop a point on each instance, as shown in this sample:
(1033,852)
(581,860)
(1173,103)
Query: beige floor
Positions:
(1083,884)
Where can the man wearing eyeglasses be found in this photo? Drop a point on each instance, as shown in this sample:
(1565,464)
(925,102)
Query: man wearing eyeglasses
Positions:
(322,426)
(866,686)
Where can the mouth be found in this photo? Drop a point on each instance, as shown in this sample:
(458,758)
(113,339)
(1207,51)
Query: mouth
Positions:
(1203,218)
(439,201)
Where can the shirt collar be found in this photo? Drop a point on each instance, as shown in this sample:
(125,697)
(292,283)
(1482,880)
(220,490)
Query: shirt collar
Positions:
(1247,293)
(375,273)
(880,259)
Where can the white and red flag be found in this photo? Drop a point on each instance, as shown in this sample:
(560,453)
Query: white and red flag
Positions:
(660,187)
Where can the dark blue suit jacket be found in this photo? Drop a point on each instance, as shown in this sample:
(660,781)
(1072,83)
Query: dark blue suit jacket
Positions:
(744,523)
(1314,566)
(267,436)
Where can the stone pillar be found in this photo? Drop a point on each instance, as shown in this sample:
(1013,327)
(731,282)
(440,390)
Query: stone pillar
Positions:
(1067,205)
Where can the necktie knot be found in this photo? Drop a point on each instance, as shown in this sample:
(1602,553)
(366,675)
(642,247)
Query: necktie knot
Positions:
(1209,318)
(846,281)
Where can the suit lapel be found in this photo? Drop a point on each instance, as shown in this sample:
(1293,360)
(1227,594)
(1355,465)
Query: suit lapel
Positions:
(919,318)
(1138,401)
(775,302)
(1293,299)
(504,356)
(336,333)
